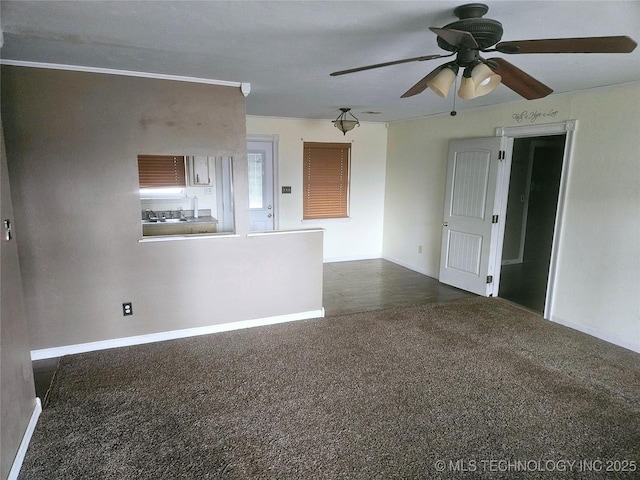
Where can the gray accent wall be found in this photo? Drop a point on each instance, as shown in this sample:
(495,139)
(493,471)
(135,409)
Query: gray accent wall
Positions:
(17,392)
(72,145)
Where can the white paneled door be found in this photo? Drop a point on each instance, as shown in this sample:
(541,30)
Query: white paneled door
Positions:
(470,230)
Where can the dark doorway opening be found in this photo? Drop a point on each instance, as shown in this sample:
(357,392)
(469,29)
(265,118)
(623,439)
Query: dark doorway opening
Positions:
(532,203)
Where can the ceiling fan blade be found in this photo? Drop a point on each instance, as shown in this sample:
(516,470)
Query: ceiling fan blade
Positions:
(455,37)
(386,64)
(619,44)
(421,86)
(520,82)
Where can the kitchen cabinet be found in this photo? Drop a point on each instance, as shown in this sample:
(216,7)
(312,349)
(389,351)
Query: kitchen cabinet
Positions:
(200,171)
(204,228)
(156,230)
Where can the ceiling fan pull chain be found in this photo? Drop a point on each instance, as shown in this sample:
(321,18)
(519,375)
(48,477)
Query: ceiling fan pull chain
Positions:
(455,86)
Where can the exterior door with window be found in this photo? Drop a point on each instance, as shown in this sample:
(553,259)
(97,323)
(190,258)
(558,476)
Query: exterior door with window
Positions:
(470,233)
(261,200)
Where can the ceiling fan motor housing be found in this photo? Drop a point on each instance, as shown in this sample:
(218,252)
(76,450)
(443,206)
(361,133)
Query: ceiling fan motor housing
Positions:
(485,31)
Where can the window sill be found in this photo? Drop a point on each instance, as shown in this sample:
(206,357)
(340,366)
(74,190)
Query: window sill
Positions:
(316,221)
(190,236)
(284,232)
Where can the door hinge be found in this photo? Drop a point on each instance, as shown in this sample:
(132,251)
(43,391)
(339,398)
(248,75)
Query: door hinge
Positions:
(489,278)
(494,219)
(502,154)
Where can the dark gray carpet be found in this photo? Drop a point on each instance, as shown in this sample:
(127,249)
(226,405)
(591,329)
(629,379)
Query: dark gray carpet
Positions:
(491,390)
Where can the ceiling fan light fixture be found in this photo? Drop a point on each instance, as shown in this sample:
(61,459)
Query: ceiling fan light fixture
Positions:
(441,83)
(467,89)
(484,79)
(344,123)
(473,33)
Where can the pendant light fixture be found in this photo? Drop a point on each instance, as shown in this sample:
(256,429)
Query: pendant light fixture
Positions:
(344,123)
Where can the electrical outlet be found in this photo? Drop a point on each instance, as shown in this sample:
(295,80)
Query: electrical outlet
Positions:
(419,248)
(127,309)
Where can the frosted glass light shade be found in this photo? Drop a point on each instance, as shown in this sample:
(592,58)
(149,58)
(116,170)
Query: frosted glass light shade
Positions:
(484,79)
(441,83)
(467,89)
(345,125)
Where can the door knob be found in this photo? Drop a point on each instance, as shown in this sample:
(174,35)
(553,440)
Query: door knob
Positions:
(269,207)
(445,224)
(269,215)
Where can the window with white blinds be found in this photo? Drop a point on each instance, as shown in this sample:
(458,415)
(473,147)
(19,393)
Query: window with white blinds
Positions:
(326,180)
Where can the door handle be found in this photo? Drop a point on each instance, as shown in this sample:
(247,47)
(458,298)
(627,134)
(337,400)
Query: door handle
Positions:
(7,230)
(445,224)
(269,207)
(269,215)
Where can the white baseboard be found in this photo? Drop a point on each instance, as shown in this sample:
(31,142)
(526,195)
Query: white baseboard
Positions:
(423,271)
(594,332)
(55,352)
(26,439)
(350,259)
(633,346)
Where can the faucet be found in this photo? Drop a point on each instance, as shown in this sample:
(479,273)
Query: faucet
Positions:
(151,214)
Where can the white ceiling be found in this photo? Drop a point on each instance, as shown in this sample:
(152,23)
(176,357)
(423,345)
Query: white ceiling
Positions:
(286,49)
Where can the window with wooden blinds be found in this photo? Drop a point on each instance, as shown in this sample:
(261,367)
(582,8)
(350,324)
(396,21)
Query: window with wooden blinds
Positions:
(161,171)
(326,180)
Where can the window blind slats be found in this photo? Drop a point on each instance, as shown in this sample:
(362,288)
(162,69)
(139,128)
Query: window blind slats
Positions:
(161,171)
(326,180)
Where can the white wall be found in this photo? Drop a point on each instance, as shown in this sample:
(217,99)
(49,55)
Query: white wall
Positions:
(598,277)
(359,236)
(599,271)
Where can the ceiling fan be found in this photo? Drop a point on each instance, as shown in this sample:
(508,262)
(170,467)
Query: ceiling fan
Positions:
(472,34)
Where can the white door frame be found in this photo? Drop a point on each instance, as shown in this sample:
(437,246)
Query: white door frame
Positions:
(568,127)
(273,139)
